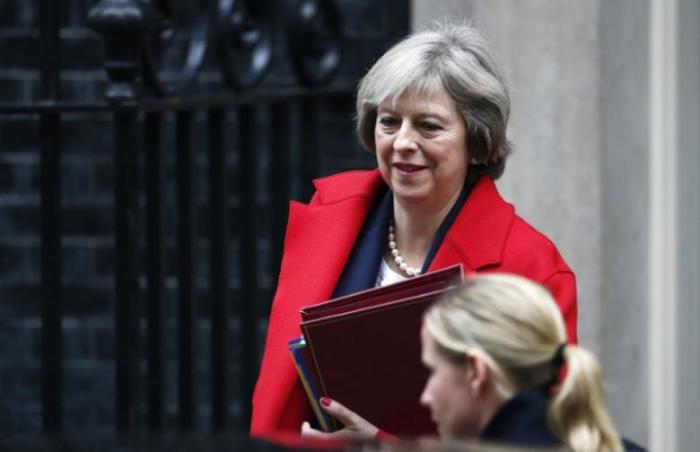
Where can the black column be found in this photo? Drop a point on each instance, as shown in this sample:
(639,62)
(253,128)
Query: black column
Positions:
(51,250)
(186,271)
(126,267)
(155,249)
(218,247)
(249,226)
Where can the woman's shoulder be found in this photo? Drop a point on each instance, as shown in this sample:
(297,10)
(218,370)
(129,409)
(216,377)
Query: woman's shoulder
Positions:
(630,446)
(522,421)
(521,248)
(529,246)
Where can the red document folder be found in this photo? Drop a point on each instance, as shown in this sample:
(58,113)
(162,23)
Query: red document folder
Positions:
(366,351)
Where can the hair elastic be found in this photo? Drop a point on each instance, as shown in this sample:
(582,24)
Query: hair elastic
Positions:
(558,358)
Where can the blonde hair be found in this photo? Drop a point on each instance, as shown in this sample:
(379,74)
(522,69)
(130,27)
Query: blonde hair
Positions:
(517,329)
(457,58)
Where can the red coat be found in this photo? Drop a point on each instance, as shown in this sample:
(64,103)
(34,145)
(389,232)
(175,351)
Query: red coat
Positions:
(487,235)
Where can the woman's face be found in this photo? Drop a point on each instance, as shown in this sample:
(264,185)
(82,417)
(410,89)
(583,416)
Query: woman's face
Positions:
(421,148)
(448,395)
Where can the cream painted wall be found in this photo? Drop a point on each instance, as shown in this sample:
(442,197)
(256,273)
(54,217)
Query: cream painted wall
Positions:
(605,121)
(578,72)
(550,52)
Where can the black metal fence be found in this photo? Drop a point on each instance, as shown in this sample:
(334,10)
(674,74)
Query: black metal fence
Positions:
(243,89)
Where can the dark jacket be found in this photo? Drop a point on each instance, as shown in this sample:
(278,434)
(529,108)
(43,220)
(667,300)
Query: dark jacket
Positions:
(522,421)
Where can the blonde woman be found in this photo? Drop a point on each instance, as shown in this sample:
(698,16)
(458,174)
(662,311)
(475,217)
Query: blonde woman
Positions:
(495,348)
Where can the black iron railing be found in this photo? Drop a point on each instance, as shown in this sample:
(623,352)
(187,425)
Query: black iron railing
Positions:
(153,54)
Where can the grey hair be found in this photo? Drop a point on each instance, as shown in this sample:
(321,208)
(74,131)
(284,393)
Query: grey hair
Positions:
(458,58)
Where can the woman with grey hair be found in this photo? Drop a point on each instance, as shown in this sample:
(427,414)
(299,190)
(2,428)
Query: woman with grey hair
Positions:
(434,111)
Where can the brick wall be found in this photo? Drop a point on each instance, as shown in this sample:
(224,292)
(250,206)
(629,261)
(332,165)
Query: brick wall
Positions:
(87,203)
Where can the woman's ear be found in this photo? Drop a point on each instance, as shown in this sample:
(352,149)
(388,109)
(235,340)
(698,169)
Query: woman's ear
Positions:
(478,373)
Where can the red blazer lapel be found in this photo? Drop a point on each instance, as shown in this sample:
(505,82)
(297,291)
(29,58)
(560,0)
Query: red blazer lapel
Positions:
(319,240)
(321,236)
(479,232)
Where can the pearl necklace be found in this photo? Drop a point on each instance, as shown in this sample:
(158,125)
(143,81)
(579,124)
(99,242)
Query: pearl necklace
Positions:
(396,254)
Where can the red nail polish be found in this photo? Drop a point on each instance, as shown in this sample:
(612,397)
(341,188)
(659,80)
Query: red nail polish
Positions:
(325,401)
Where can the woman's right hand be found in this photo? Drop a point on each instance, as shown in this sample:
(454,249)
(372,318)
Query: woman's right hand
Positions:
(355,426)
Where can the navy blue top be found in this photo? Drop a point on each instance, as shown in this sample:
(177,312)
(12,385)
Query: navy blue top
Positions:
(522,421)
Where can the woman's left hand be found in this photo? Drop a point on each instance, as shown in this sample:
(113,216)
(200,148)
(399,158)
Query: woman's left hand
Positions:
(356,427)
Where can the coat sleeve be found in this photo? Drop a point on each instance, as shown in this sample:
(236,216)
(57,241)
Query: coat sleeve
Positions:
(279,401)
(562,285)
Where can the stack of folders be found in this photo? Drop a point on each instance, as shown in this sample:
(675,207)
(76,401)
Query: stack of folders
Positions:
(364,351)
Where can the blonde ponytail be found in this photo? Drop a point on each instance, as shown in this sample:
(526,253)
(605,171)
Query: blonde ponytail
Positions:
(516,326)
(578,412)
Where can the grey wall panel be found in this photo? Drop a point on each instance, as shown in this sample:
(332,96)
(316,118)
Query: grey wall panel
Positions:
(688,314)
(624,169)
(579,83)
